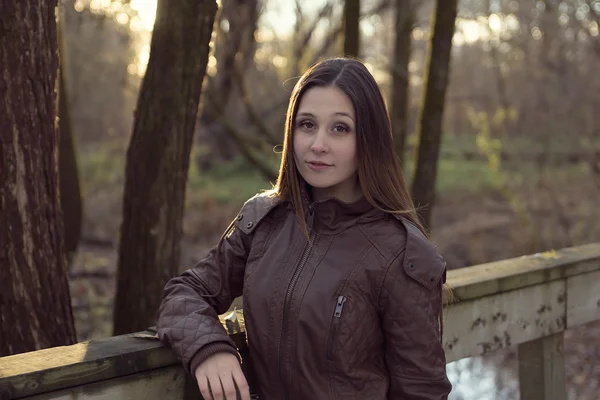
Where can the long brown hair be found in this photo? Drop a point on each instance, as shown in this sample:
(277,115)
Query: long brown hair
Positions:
(379,173)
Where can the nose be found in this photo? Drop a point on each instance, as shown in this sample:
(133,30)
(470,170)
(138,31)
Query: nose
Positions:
(319,144)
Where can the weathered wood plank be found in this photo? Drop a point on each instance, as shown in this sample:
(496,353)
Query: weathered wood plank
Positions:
(542,368)
(51,369)
(480,326)
(159,384)
(583,299)
(86,352)
(59,367)
(501,276)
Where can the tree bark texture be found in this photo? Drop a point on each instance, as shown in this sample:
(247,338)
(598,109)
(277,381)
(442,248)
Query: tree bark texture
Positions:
(352,28)
(432,109)
(158,160)
(70,193)
(400,74)
(35,307)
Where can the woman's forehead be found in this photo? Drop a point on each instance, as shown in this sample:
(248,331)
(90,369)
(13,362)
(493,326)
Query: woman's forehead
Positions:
(325,101)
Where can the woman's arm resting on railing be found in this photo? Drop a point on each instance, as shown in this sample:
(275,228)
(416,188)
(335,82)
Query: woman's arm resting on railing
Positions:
(188,318)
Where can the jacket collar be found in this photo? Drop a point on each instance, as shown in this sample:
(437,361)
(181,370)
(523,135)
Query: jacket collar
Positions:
(332,215)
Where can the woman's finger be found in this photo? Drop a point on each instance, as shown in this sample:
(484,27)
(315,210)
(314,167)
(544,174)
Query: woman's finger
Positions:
(228,386)
(203,386)
(215,386)
(241,383)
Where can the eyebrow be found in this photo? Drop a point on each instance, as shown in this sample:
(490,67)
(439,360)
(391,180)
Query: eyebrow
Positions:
(307,114)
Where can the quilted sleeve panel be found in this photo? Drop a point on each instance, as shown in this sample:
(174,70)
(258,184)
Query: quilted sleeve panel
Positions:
(188,318)
(411,311)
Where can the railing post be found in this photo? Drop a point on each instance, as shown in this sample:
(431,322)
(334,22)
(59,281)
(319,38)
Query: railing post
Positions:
(542,368)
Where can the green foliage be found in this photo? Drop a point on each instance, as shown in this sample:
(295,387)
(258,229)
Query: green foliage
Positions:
(103,169)
(231,183)
(102,166)
(491,147)
(456,175)
(227,183)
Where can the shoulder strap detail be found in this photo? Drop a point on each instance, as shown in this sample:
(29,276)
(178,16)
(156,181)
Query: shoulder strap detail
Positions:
(254,210)
(422,262)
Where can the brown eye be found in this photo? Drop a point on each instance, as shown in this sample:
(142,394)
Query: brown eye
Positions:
(341,128)
(308,125)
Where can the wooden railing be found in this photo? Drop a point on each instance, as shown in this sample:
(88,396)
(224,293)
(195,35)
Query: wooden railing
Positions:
(528,301)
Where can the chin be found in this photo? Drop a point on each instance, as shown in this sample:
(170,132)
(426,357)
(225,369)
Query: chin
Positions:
(317,183)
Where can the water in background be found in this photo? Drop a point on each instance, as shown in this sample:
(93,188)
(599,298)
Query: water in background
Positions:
(472,379)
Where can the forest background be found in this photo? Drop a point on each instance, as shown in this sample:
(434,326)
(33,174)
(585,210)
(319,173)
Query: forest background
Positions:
(518,166)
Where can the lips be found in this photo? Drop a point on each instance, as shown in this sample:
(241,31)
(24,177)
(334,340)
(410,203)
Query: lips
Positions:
(318,165)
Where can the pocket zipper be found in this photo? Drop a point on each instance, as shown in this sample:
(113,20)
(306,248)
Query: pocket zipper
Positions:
(337,314)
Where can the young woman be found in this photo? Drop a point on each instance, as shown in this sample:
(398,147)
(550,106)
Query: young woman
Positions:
(342,290)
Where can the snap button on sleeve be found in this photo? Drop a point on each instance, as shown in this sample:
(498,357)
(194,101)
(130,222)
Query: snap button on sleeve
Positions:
(249,224)
(239,218)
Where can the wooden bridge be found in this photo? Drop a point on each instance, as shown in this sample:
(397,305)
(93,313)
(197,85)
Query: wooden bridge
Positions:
(528,301)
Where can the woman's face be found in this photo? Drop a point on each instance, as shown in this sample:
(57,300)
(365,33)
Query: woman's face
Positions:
(324,139)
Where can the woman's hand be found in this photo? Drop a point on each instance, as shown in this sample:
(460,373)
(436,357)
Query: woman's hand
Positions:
(218,377)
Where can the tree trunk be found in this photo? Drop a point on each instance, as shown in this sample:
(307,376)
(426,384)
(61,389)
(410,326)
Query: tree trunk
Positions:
(234,48)
(432,111)
(70,194)
(400,74)
(158,159)
(351,28)
(35,307)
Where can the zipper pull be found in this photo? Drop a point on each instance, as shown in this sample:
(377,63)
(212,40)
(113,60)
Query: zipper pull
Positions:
(311,218)
(339,306)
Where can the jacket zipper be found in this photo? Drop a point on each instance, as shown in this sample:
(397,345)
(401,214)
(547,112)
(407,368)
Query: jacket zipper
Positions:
(337,316)
(288,297)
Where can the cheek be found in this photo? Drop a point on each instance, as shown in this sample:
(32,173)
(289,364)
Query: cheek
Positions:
(296,146)
(299,143)
(350,153)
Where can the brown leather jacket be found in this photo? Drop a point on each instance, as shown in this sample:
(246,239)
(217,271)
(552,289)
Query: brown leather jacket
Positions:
(352,314)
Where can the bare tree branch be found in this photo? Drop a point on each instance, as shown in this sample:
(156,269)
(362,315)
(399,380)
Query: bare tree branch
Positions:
(337,30)
(254,117)
(299,17)
(232,131)
(244,142)
(301,45)
(331,38)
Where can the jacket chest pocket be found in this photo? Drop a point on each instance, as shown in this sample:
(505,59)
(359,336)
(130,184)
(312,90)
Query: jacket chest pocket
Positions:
(335,326)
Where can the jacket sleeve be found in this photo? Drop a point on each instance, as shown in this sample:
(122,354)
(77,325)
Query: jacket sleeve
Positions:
(188,318)
(411,301)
